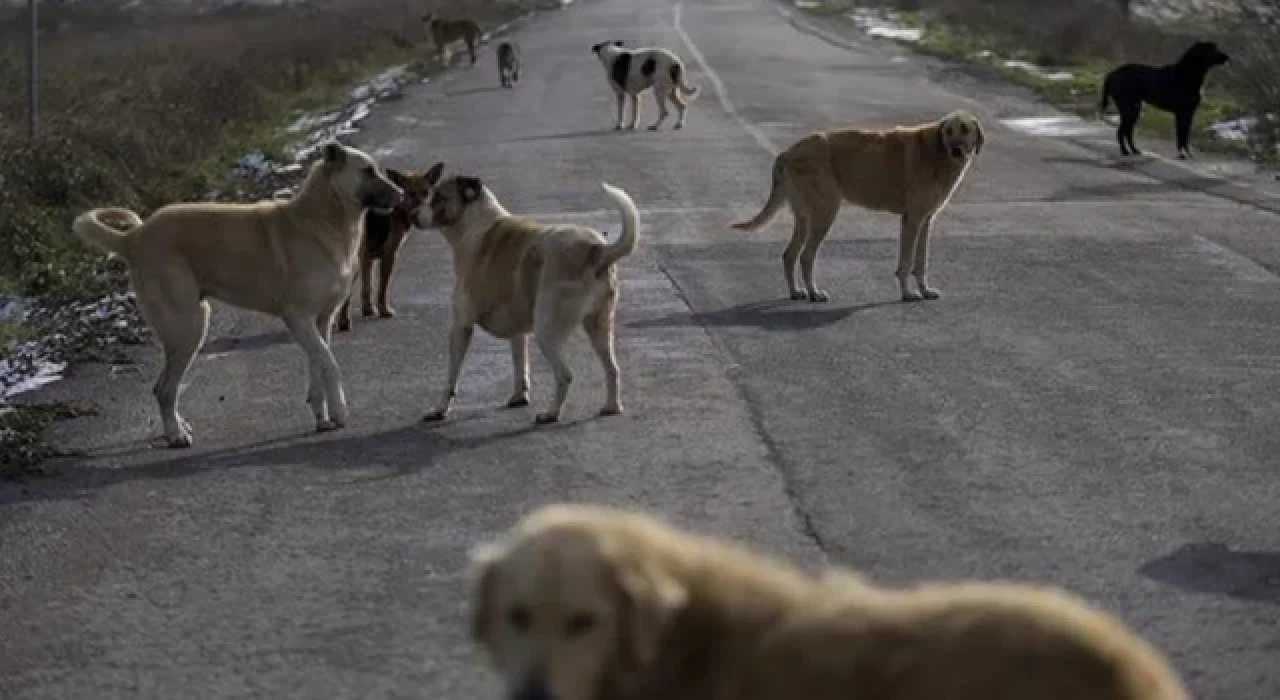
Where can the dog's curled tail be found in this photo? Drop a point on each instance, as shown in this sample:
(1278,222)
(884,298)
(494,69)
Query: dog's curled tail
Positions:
(91,229)
(626,243)
(677,76)
(771,207)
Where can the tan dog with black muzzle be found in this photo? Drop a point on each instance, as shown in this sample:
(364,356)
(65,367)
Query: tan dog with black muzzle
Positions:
(593,603)
(293,259)
(911,171)
(514,277)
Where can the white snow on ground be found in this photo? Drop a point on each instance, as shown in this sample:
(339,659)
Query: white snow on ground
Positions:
(883,24)
(1053,76)
(1065,125)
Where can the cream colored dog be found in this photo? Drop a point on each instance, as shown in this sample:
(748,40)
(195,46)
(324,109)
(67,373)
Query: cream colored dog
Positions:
(592,603)
(514,276)
(293,259)
(911,171)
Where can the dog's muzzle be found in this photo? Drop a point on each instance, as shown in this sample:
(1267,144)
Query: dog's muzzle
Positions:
(957,152)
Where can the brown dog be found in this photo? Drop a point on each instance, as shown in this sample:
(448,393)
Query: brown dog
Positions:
(292,259)
(592,603)
(514,277)
(911,171)
(384,234)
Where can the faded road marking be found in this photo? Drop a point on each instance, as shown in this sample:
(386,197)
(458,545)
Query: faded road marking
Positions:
(718,86)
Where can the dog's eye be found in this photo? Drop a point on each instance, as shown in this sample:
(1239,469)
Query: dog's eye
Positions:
(519,618)
(579,624)
(964,129)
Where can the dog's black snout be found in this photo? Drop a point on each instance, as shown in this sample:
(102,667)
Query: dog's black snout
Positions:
(534,689)
(957,152)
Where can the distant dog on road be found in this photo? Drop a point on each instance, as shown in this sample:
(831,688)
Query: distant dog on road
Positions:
(514,276)
(1175,88)
(384,235)
(579,602)
(632,71)
(293,259)
(508,63)
(446,31)
(911,171)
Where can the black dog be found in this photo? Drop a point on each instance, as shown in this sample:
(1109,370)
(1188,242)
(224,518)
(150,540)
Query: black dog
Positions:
(1173,88)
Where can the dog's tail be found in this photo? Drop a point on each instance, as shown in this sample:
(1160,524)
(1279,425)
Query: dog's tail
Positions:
(91,229)
(1106,96)
(677,77)
(771,207)
(626,243)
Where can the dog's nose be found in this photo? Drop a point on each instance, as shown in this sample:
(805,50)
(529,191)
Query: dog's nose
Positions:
(957,152)
(535,689)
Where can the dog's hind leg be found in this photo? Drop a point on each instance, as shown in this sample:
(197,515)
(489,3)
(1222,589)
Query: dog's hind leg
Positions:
(459,343)
(681,106)
(366,285)
(554,319)
(599,328)
(635,111)
(520,371)
(1129,115)
(181,330)
(799,231)
(921,260)
(823,212)
(659,96)
(386,267)
(325,394)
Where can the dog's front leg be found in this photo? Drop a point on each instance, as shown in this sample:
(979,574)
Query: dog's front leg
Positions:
(621,107)
(921,263)
(329,405)
(366,284)
(386,267)
(635,112)
(1182,132)
(908,237)
(459,342)
(520,370)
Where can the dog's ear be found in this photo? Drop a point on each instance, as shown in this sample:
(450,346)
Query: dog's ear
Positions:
(470,188)
(334,153)
(434,173)
(651,599)
(483,561)
(400,179)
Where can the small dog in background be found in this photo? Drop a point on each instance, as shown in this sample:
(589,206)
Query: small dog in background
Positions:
(1176,88)
(446,31)
(508,63)
(632,71)
(384,235)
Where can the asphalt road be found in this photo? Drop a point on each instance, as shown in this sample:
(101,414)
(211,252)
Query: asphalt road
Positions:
(1092,402)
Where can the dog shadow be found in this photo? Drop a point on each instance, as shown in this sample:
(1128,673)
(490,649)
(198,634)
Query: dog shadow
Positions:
(474,90)
(246,343)
(782,315)
(405,450)
(571,135)
(1211,567)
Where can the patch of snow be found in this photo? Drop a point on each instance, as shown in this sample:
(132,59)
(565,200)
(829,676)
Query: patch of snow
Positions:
(808,5)
(13,309)
(1233,129)
(26,368)
(1066,125)
(1054,76)
(884,25)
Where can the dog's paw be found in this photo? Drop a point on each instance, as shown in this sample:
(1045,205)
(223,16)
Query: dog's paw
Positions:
(366,311)
(679,125)
(180,442)
(386,312)
(818,295)
(799,295)
(613,409)
(930,293)
(343,325)
(546,418)
(435,416)
(518,401)
(654,127)
(617,127)
(912,296)
(328,425)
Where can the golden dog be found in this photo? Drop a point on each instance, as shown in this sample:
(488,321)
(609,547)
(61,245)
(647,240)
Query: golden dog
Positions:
(592,603)
(911,171)
(293,259)
(446,31)
(514,276)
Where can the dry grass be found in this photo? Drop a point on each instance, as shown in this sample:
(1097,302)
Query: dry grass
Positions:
(144,107)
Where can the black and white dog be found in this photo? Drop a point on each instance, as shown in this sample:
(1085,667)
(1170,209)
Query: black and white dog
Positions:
(632,71)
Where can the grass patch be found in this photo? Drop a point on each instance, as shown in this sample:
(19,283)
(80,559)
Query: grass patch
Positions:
(21,426)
